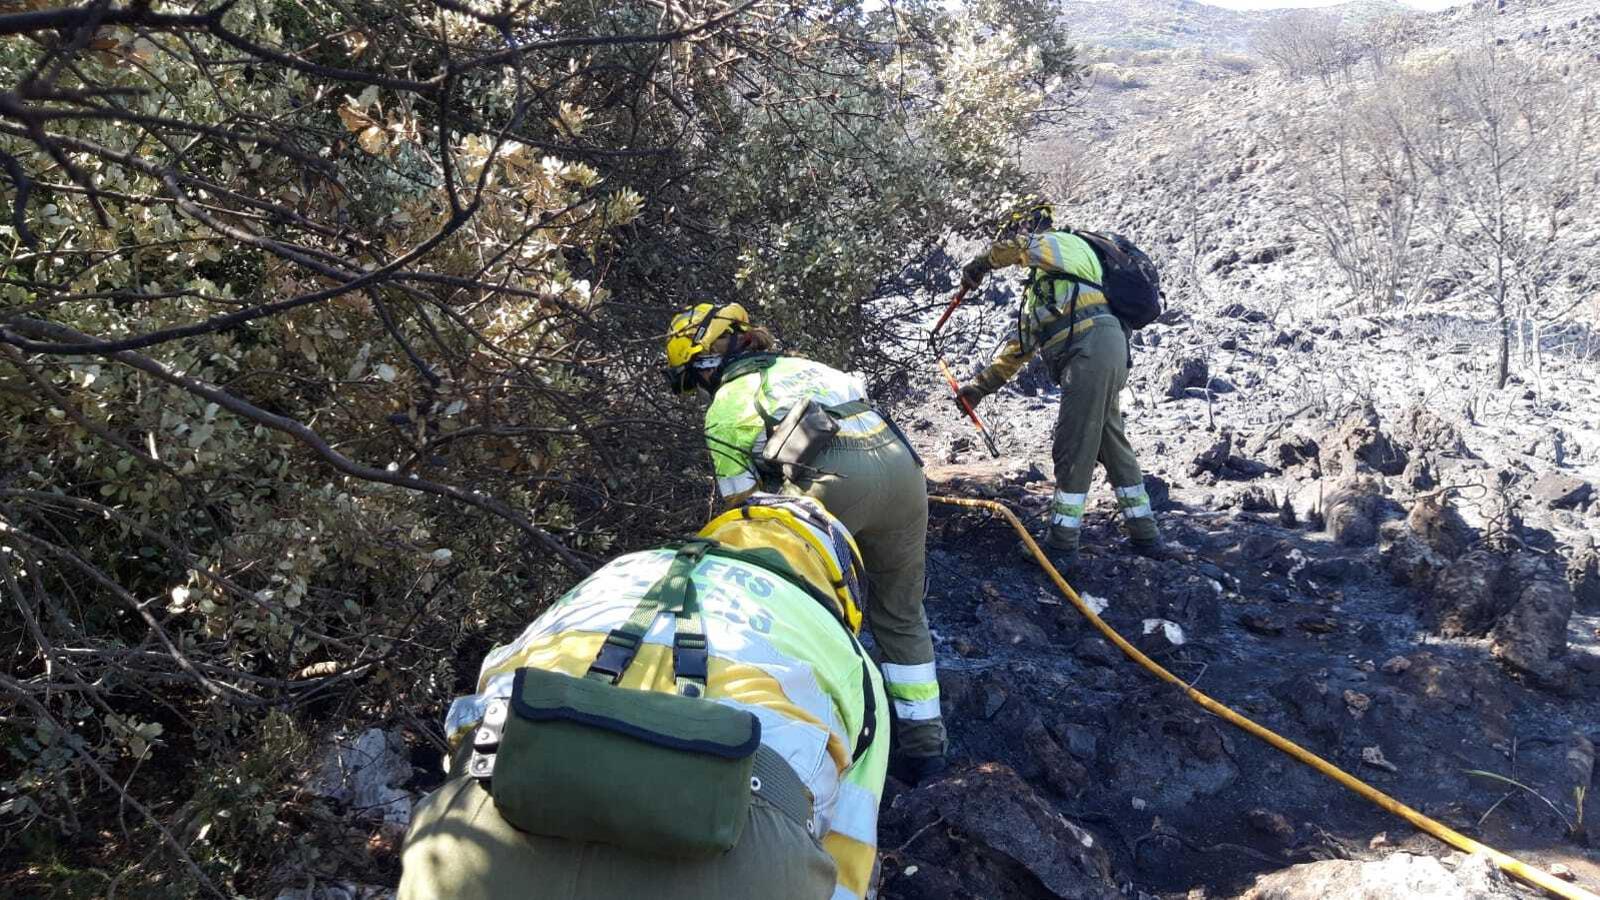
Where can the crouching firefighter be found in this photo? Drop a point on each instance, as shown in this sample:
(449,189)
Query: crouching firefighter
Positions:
(688,722)
(1067,316)
(798,427)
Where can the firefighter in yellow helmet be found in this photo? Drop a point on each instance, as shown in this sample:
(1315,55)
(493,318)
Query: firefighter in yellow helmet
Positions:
(1065,317)
(688,722)
(789,424)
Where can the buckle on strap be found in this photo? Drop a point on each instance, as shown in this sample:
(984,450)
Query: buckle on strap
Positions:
(614,656)
(689,657)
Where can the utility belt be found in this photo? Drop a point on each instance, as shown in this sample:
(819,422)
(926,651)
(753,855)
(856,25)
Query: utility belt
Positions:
(796,441)
(656,773)
(1056,354)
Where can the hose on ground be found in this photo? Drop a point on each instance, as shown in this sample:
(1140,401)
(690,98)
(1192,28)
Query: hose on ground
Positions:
(1510,865)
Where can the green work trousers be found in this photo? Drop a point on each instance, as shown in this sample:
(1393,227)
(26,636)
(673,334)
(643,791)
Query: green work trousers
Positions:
(1089,430)
(875,487)
(460,848)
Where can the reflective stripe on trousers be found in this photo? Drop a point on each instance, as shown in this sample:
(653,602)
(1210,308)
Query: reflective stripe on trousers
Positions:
(914,690)
(1134,502)
(1066,510)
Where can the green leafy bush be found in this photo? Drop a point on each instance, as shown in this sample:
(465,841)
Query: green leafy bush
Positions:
(328,339)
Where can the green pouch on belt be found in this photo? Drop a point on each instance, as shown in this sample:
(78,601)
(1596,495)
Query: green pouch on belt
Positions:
(652,772)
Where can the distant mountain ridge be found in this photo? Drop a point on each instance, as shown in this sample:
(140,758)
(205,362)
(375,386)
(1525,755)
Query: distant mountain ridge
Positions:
(1180,24)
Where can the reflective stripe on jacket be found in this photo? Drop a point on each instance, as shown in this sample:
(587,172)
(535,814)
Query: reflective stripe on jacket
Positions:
(1043,322)
(774,651)
(736,433)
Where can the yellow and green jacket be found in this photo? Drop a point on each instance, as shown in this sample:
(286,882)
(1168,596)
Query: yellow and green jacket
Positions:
(1053,309)
(758,390)
(773,649)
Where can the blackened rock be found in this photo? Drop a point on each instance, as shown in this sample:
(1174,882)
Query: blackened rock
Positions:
(1332,568)
(1008,841)
(1031,475)
(1583,576)
(1160,492)
(1215,573)
(1354,508)
(1219,460)
(1362,328)
(1159,851)
(1009,625)
(1438,679)
(1288,451)
(1409,561)
(1426,432)
(1185,372)
(992,697)
(1532,636)
(1097,651)
(1065,775)
(1320,624)
(1260,546)
(1420,475)
(1314,704)
(1081,741)
(1254,498)
(1370,634)
(1260,623)
(1239,310)
(1466,599)
(1359,444)
(1215,457)
(1272,824)
(1168,750)
(1254,256)
(1556,490)
(1549,445)
(1439,526)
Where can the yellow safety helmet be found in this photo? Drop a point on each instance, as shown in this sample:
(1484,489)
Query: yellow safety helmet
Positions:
(1032,213)
(693,333)
(815,546)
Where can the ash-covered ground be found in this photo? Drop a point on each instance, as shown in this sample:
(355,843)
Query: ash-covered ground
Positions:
(1402,584)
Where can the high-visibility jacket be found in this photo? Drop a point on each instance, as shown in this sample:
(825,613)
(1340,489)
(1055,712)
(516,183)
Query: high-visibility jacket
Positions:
(1053,309)
(756,391)
(773,650)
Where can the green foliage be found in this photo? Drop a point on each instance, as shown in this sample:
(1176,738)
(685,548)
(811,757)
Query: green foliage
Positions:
(393,276)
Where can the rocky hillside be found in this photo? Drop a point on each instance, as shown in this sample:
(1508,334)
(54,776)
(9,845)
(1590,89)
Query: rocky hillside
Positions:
(1387,559)
(1183,24)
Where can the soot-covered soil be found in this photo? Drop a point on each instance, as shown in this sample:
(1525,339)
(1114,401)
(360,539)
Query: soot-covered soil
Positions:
(1047,715)
(1364,584)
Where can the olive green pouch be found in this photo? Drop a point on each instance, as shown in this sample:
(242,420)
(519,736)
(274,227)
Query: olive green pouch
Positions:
(798,439)
(651,772)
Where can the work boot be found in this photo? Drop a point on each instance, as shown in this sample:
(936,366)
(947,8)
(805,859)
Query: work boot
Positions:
(914,770)
(1059,544)
(1157,549)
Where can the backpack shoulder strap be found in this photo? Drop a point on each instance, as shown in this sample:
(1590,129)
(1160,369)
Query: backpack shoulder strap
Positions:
(745,365)
(674,593)
(774,563)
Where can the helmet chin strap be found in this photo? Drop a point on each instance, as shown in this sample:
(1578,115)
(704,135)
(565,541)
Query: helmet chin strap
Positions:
(707,368)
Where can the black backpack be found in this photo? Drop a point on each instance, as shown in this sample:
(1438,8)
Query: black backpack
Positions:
(1132,284)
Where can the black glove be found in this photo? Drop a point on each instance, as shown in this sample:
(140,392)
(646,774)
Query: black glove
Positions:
(969,396)
(972,274)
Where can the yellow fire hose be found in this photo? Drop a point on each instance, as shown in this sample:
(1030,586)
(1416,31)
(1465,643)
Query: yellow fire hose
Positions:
(1510,865)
